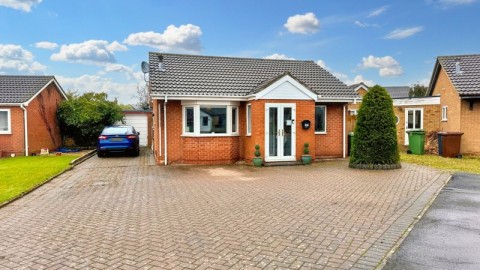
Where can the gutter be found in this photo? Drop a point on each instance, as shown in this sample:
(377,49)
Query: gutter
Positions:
(165,130)
(25,124)
(344,131)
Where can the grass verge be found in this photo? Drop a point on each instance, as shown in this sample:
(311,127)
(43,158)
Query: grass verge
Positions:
(465,164)
(20,174)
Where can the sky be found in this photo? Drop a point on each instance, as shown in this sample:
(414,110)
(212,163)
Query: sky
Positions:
(98,45)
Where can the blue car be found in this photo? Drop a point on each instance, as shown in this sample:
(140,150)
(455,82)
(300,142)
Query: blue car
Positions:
(118,139)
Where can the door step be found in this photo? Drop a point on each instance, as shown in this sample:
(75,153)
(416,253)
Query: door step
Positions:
(282,163)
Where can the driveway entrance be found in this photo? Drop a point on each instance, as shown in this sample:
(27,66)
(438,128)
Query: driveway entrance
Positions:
(124,212)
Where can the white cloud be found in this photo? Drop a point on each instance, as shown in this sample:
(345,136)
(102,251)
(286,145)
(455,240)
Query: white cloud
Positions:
(25,5)
(359,79)
(451,3)
(185,38)
(124,92)
(97,52)
(303,24)
(387,66)
(46,45)
(277,56)
(119,68)
(15,58)
(378,11)
(404,32)
(365,25)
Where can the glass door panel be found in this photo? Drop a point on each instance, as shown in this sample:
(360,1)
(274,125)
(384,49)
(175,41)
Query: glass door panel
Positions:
(287,131)
(272,132)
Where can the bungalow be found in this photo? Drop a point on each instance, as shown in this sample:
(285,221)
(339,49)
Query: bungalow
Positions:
(28,107)
(214,110)
(456,82)
(411,113)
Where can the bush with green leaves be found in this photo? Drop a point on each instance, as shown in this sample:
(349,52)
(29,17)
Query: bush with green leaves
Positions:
(375,137)
(257,151)
(83,117)
(306,151)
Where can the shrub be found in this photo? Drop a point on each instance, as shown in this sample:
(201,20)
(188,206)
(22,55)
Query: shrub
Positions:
(306,151)
(83,117)
(375,137)
(257,151)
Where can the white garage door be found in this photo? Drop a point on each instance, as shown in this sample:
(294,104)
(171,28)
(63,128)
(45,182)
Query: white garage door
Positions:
(140,123)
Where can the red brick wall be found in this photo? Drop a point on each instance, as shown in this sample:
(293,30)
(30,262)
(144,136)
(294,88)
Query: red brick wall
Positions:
(305,110)
(193,150)
(43,130)
(229,149)
(13,143)
(330,144)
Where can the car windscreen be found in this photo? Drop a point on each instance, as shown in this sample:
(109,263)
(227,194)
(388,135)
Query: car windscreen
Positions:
(115,131)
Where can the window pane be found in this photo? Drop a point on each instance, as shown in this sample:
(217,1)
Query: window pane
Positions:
(273,132)
(410,119)
(217,119)
(249,119)
(4,121)
(234,119)
(189,127)
(320,119)
(418,119)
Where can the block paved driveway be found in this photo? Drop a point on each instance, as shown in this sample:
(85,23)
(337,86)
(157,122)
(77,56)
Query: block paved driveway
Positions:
(124,212)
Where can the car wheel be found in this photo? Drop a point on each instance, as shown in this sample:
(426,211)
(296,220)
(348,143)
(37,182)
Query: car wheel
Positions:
(137,152)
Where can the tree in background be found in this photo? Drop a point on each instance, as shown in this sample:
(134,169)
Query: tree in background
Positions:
(83,117)
(143,97)
(417,91)
(375,137)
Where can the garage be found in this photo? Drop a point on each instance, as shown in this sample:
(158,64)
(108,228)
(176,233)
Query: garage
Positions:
(141,120)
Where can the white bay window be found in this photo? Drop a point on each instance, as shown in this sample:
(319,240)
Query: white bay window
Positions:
(210,118)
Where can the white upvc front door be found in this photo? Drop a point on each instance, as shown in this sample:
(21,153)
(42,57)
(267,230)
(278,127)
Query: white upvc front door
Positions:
(280,132)
(413,121)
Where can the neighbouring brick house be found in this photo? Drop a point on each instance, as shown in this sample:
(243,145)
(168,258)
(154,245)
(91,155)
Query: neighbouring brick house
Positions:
(211,110)
(28,106)
(411,113)
(456,82)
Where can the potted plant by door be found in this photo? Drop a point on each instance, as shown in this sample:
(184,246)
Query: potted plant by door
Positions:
(306,157)
(257,160)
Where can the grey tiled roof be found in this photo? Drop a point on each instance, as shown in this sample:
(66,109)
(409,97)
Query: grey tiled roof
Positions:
(236,77)
(398,91)
(467,82)
(19,89)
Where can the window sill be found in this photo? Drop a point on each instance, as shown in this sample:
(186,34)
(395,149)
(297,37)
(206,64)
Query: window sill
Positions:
(210,135)
(444,120)
(248,135)
(5,133)
(320,133)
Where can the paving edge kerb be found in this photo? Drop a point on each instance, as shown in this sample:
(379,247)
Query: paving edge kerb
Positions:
(72,164)
(382,249)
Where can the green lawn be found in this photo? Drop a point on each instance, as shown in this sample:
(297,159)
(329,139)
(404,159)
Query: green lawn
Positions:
(465,164)
(20,174)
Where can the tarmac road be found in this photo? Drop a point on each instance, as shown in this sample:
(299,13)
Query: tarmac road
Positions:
(448,235)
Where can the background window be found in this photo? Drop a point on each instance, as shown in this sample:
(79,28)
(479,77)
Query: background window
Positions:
(320,118)
(444,113)
(249,119)
(189,120)
(219,119)
(5,121)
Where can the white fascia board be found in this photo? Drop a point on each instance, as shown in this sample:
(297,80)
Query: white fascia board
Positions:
(205,98)
(10,104)
(44,87)
(416,101)
(210,102)
(286,78)
(335,100)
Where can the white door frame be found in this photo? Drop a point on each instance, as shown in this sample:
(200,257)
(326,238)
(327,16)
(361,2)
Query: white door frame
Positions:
(406,121)
(280,132)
